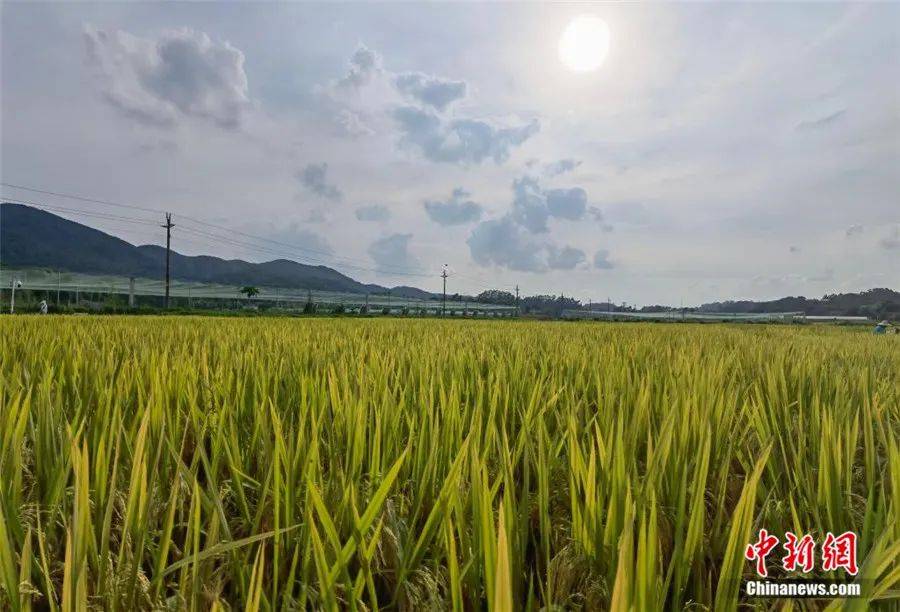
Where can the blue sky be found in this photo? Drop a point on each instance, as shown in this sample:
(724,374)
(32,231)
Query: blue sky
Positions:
(720,150)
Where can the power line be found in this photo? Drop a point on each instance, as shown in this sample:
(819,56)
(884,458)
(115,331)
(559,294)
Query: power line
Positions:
(329,258)
(287,253)
(215,238)
(87,213)
(81,198)
(343,261)
(394,270)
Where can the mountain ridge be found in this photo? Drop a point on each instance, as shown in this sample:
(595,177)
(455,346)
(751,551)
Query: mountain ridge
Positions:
(31,237)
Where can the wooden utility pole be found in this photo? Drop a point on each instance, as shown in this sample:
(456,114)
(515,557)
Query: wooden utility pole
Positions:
(169,225)
(444,299)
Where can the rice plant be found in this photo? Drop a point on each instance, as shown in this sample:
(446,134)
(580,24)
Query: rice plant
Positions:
(279,464)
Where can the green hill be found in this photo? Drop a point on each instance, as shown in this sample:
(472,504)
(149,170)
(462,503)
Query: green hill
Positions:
(30,237)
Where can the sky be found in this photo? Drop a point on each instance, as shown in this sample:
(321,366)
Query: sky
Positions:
(719,151)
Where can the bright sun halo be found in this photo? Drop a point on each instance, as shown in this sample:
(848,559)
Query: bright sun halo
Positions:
(584,43)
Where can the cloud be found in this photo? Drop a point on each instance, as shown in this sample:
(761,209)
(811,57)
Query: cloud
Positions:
(502,242)
(352,124)
(567,203)
(529,207)
(533,206)
(364,66)
(601,260)
(600,218)
(854,230)
(304,239)
(826,276)
(314,178)
(391,254)
(566,258)
(458,210)
(462,141)
(317,215)
(423,125)
(182,73)
(822,122)
(432,91)
(505,243)
(561,167)
(512,241)
(891,242)
(373,212)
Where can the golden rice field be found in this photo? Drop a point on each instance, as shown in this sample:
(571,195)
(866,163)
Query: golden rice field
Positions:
(285,464)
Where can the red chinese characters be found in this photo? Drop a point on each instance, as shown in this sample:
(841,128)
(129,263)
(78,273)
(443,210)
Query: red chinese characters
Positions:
(840,552)
(801,554)
(760,550)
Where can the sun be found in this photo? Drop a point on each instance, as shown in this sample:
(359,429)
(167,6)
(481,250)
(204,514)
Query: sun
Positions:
(584,43)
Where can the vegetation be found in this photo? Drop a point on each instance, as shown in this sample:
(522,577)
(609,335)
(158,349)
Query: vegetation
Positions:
(197,463)
(878,303)
(34,238)
(250,291)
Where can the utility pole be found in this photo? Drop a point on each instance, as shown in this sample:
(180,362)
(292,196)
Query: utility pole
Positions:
(517,300)
(12,296)
(444,300)
(169,225)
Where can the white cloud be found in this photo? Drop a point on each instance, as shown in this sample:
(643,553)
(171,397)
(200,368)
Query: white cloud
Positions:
(463,141)
(567,203)
(373,212)
(181,73)
(891,241)
(502,242)
(565,258)
(364,67)
(601,260)
(432,91)
(533,206)
(352,124)
(306,240)
(561,167)
(391,254)
(854,230)
(458,210)
(314,177)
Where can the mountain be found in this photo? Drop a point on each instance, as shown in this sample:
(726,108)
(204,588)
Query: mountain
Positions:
(30,237)
(880,303)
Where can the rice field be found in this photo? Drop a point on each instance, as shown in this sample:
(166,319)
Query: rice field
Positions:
(289,464)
